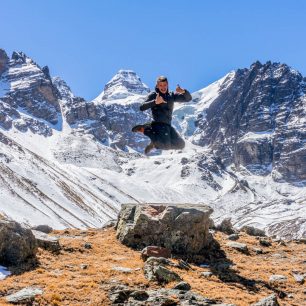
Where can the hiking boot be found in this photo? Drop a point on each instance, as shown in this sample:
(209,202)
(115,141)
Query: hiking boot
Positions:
(149,148)
(138,129)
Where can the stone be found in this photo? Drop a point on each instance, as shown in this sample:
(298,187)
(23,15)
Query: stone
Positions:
(226,226)
(43,228)
(155,251)
(84,266)
(87,246)
(206,274)
(110,223)
(155,270)
(233,237)
(258,251)
(181,228)
(184,286)
(270,300)
(299,278)
(253,231)
(265,242)
(122,269)
(26,295)
(17,243)
(242,247)
(274,279)
(46,241)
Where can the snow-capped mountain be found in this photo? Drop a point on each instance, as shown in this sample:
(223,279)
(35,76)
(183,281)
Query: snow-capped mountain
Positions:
(125,83)
(70,162)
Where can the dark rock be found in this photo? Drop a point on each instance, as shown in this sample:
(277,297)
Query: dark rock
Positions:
(226,226)
(4,60)
(43,228)
(238,246)
(265,242)
(17,243)
(46,242)
(155,251)
(87,246)
(110,223)
(24,296)
(182,286)
(253,231)
(233,237)
(155,270)
(139,295)
(183,229)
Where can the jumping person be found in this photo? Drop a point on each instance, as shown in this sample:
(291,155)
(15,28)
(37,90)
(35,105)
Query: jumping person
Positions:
(163,136)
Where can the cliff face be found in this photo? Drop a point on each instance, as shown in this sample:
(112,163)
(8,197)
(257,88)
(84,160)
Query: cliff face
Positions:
(258,121)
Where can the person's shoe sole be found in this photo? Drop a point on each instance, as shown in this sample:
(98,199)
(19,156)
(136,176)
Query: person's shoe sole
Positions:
(138,128)
(149,148)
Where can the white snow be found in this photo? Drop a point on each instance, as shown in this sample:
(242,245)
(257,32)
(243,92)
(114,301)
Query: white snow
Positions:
(4,272)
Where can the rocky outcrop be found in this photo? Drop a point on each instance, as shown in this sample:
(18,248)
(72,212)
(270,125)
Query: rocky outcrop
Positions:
(17,243)
(4,60)
(257,121)
(182,228)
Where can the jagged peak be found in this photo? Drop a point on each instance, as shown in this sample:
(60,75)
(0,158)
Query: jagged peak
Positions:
(123,84)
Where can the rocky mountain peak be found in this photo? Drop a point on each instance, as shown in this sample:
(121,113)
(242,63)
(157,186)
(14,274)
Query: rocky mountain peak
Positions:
(123,84)
(4,59)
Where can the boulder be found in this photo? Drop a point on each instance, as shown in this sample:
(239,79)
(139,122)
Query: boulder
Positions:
(253,231)
(43,228)
(17,243)
(24,296)
(181,228)
(46,241)
(242,247)
(226,226)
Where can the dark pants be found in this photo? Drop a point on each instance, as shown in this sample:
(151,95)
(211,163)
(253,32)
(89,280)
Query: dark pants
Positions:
(164,136)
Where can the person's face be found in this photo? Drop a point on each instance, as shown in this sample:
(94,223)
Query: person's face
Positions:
(162,86)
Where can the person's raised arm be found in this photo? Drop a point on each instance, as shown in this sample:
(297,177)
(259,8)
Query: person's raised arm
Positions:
(149,102)
(182,95)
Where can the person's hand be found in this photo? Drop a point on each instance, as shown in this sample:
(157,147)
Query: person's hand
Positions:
(179,89)
(159,99)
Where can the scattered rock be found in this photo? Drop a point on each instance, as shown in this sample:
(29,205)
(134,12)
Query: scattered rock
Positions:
(87,246)
(271,300)
(258,251)
(84,266)
(46,242)
(182,286)
(155,251)
(274,279)
(265,242)
(43,228)
(123,269)
(181,228)
(300,278)
(226,226)
(184,265)
(155,270)
(253,231)
(233,237)
(24,296)
(206,274)
(139,295)
(17,243)
(242,247)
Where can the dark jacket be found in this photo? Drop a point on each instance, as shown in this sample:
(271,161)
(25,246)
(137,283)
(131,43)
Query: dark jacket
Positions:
(163,112)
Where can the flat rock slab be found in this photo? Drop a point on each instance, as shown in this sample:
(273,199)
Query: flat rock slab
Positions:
(46,241)
(238,246)
(181,228)
(270,300)
(26,295)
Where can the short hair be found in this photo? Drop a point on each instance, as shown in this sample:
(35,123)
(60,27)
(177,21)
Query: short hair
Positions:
(161,79)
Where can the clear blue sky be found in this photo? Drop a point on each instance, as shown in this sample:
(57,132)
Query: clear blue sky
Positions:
(192,42)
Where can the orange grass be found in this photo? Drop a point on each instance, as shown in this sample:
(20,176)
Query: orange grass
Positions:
(65,283)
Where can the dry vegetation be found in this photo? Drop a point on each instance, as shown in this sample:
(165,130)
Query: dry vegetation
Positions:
(65,282)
